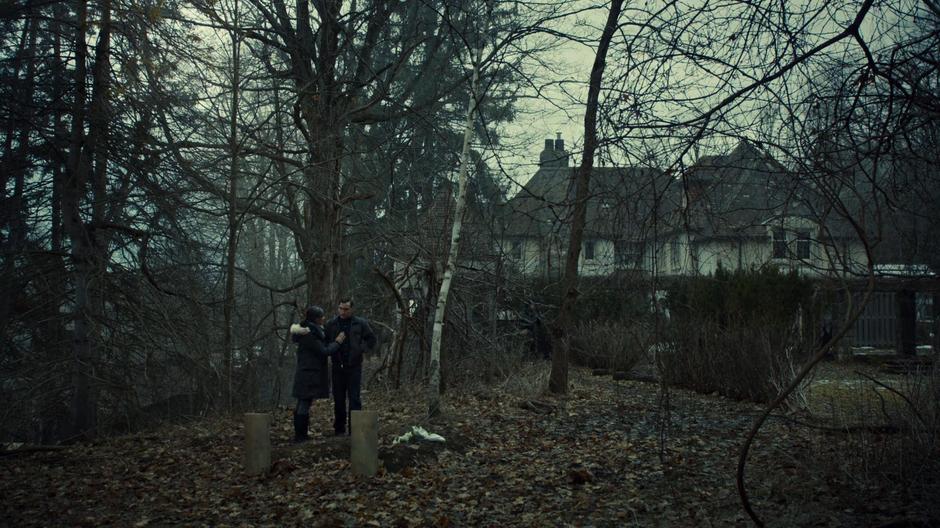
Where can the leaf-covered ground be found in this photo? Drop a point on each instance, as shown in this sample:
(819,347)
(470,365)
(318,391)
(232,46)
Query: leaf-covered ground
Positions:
(594,458)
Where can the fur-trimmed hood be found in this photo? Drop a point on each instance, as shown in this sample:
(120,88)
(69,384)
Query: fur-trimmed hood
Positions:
(300,330)
(296,329)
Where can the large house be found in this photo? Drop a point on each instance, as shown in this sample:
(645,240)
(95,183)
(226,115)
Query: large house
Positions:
(742,210)
(622,212)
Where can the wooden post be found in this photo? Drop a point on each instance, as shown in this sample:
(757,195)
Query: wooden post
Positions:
(257,443)
(364,441)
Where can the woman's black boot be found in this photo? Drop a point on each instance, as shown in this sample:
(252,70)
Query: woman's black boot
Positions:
(301,424)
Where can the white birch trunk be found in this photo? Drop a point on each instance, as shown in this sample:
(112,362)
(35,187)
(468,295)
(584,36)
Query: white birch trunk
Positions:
(434,390)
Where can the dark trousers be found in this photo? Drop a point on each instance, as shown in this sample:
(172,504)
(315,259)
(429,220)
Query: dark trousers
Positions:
(303,406)
(347,383)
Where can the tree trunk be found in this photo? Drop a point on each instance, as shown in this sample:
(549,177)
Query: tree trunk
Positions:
(323,107)
(21,157)
(58,127)
(935,342)
(82,402)
(99,117)
(16,164)
(99,145)
(558,380)
(232,246)
(9,150)
(434,390)
(89,246)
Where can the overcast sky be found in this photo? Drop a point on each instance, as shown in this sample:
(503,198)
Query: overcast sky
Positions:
(559,106)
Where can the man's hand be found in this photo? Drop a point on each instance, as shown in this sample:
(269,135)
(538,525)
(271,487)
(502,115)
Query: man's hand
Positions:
(341,337)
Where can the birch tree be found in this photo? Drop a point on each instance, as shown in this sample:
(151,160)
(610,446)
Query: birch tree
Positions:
(434,390)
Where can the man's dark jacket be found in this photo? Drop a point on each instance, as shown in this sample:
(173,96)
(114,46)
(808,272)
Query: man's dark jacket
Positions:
(311,379)
(360,337)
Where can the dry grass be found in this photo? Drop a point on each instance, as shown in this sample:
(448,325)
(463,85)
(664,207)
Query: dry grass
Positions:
(854,402)
(528,381)
(880,430)
(859,395)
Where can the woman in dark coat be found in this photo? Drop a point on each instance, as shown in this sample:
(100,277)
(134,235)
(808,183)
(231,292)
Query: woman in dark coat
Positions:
(311,378)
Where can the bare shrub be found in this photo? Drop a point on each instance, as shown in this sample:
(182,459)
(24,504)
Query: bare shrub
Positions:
(919,420)
(880,432)
(787,368)
(740,334)
(749,362)
(610,345)
(527,382)
(925,396)
(485,360)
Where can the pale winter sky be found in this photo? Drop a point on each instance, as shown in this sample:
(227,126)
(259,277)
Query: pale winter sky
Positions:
(560,106)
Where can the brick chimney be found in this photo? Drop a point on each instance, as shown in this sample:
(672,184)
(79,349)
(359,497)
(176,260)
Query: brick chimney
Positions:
(554,153)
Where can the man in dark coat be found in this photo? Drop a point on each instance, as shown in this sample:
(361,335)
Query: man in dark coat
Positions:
(311,378)
(347,361)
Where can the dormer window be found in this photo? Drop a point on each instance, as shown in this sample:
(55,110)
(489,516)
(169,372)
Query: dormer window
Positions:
(793,244)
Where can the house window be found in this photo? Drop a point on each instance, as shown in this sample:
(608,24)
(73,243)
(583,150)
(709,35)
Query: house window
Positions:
(516,250)
(802,244)
(796,247)
(588,250)
(780,243)
(626,253)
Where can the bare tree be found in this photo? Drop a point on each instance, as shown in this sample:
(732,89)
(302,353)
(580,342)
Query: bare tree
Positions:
(232,216)
(558,382)
(688,82)
(449,268)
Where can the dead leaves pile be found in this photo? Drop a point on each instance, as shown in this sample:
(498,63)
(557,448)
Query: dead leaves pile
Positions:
(594,458)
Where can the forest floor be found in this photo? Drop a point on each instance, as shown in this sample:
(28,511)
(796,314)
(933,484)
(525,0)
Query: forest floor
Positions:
(597,457)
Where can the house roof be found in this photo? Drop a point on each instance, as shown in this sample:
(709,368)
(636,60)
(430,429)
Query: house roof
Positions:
(740,193)
(732,195)
(621,202)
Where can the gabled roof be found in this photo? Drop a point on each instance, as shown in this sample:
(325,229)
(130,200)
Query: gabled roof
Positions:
(621,201)
(742,191)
